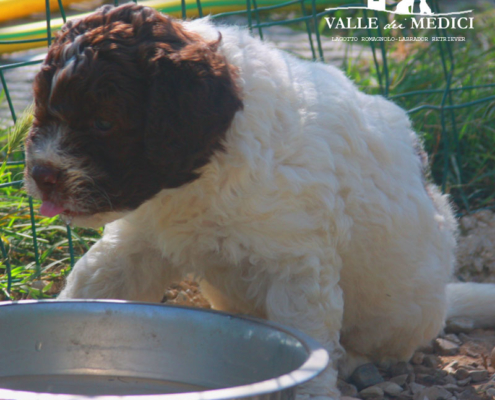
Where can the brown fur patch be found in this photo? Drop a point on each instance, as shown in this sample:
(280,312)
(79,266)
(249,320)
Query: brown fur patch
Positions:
(168,95)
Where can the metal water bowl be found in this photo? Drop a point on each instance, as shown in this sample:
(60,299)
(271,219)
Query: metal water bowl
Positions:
(64,350)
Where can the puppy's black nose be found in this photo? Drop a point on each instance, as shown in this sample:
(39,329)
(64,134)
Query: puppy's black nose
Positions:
(45,177)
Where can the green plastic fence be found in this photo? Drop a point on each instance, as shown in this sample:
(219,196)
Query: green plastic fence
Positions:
(310,19)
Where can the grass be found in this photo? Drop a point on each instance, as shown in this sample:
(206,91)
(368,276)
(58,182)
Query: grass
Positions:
(36,271)
(459,142)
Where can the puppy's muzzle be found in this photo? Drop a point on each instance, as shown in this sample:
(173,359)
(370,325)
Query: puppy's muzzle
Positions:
(46,178)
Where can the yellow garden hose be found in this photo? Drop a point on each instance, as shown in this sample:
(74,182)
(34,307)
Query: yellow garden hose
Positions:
(18,37)
(13,9)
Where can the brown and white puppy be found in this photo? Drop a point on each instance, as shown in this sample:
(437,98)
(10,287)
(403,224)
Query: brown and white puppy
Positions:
(289,193)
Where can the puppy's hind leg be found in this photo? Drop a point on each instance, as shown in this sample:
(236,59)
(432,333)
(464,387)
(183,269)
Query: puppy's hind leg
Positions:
(119,266)
(310,301)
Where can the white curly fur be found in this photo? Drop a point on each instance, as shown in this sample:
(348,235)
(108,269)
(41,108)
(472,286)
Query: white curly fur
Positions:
(315,216)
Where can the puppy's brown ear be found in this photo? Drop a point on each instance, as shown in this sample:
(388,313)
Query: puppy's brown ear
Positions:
(192,101)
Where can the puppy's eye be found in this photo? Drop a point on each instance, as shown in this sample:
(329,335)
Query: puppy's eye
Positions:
(103,125)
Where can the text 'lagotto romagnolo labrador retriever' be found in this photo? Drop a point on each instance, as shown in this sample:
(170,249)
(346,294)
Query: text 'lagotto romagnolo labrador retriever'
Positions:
(289,193)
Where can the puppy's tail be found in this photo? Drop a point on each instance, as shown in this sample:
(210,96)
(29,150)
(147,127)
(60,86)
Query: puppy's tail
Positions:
(472,301)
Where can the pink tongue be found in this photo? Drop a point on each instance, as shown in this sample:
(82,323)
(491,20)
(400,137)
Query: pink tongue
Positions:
(49,209)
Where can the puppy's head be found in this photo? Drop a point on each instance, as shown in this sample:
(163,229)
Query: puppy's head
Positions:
(127,103)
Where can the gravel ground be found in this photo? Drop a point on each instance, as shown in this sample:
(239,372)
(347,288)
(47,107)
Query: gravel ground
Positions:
(476,248)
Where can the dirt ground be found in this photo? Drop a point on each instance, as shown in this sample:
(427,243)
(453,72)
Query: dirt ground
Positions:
(476,248)
(456,366)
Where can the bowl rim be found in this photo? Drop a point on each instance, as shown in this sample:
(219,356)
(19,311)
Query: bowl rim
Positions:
(316,362)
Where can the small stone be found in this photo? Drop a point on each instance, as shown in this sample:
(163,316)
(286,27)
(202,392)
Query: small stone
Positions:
(346,389)
(417,358)
(171,294)
(452,337)
(372,392)
(459,324)
(488,385)
(446,347)
(415,387)
(433,379)
(365,376)
(441,373)
(400,380)
(38,285)
(390,388)
(451,367)
(431,361)
(469,394)
(348,398)
(492,357)
(452,387)
(181,298)
(433,393)
(425,379)
(431,376)
(401,368)
(421,369)
(478,375)
(461,373)
(491,392)
(450,380)
(464,382)
(404,396)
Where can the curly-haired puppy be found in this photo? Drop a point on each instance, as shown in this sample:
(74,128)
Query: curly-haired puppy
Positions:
(289,193)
